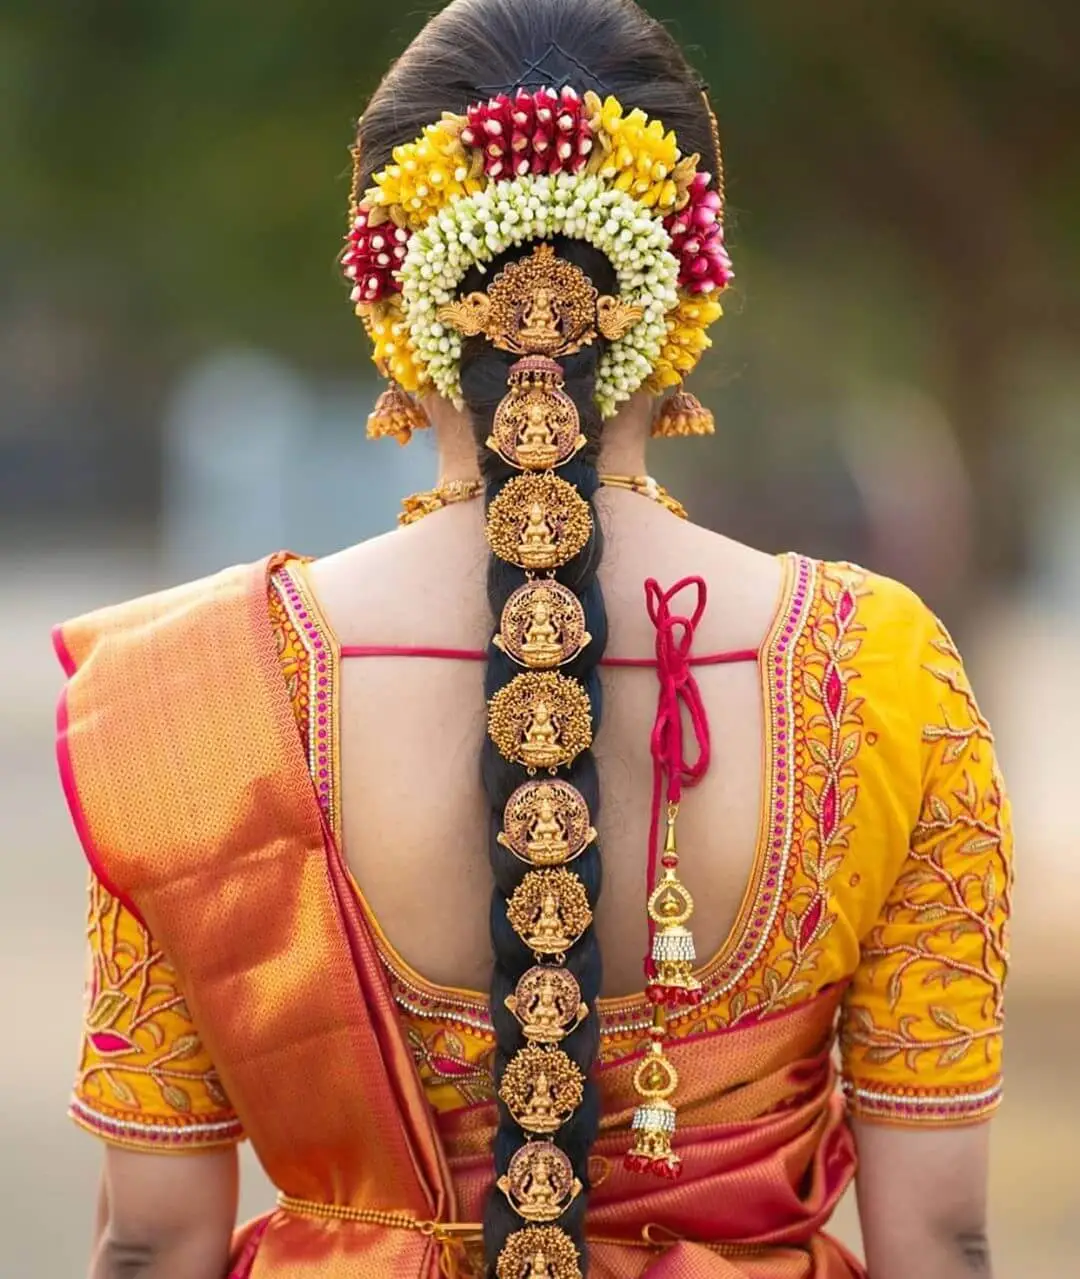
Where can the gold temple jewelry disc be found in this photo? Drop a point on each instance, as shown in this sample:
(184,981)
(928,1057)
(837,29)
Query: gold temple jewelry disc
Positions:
(546,823)
(537,424)
(540,1182)
(542,1088)
(538,522)
(548,1004)
(538,1252)
(542,625)
(549,911)
(541,720)
(539,305)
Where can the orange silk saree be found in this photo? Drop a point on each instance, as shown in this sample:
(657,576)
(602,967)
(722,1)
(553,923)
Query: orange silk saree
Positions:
(189,787)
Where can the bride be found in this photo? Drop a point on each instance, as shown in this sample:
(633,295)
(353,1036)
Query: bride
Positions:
(306,788)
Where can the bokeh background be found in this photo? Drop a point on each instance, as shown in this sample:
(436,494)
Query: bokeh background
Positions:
(182,385)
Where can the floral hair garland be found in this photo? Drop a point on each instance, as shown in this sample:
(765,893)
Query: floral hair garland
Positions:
(531,167)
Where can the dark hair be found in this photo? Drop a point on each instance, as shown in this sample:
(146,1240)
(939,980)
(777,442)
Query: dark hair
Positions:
(468,52)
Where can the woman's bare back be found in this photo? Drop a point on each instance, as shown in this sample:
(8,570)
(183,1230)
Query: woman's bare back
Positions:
(413,807)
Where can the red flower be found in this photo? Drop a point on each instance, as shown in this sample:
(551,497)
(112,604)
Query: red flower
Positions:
(541,132)
(697,239)
(372,255)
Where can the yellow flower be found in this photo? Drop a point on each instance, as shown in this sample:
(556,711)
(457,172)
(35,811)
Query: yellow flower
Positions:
(687,340)
(393,353)
(637,156)
(426,174)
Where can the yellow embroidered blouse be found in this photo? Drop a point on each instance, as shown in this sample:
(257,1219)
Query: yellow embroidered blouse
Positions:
(884,860)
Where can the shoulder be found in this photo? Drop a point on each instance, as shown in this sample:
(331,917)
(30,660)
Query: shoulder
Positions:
(148,621)
(173,706)
(910,672)
(894,628)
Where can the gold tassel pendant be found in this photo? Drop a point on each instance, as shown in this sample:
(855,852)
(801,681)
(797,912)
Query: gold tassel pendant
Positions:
(395,416)
(673,982)
(682,414)
(653,1124)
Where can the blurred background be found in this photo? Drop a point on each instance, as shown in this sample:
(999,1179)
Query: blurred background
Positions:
(182,385)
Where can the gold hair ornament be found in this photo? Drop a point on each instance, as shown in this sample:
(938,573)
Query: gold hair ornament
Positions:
(542,625)
(542,1088)
(537,425)
(538,522)
(540,305)
(547,1002)
(546,823)
(539,1182)
(539,1252)
(549,910)
(541,719)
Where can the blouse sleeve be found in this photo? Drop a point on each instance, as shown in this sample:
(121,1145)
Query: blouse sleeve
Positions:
(145,1080)
(922,1026)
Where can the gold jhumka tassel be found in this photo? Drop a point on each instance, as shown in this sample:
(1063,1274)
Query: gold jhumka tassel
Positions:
(653,1124)
(682,414)
(672,954)
(395,416)
(672,984)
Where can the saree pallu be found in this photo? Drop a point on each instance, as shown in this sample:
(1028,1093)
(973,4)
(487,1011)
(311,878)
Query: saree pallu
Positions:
(191,793)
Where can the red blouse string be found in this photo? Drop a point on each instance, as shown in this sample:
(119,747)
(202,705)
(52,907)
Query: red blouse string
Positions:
(679,692)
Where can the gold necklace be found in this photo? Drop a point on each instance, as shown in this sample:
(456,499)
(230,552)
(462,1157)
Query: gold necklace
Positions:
(417,505)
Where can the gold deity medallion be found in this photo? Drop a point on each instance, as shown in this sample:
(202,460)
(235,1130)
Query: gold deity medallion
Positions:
(538,522)
(547,1002)
(541,720)
(542,1088)
(542,625)
(537,425)
(546,823)
(549,911)
(540,305)
(540,1182)
(539,1252)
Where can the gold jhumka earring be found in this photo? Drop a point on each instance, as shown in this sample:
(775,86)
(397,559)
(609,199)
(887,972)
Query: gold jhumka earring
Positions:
(681,413)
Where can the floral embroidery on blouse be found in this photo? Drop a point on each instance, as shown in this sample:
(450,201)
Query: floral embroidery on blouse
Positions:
(145,1080)
(825,780)
(927,1004)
